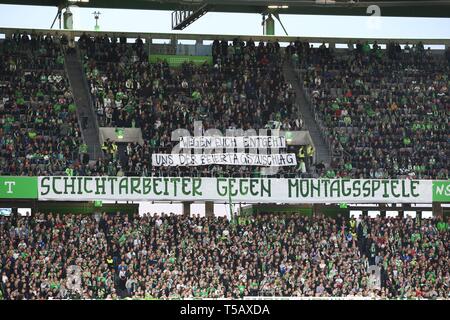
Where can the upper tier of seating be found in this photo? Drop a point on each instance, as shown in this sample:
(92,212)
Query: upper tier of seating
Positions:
(39,132)
(387,111)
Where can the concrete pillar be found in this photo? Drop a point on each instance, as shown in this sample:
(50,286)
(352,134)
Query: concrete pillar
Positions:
(173,44)
(198,44)
(209,209)
(437,210)
(187,208)
(401,211)
(148,44)
(269,26)
(419,215)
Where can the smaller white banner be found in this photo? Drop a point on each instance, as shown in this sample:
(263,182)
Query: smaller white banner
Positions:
(237,159)
(205,142)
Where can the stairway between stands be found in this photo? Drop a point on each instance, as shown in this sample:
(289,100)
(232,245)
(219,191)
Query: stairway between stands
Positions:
(323,152)
(85,110)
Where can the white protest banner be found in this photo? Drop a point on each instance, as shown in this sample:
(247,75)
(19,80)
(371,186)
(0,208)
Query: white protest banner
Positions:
(233,159)
(251,190)
(207,142)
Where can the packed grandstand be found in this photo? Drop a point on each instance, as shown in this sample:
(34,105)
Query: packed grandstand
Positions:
(172,257)
(383,112)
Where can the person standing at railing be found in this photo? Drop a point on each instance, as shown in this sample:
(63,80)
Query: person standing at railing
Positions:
(302,166)
(301,153)
(309,155)
(295,60)
(83,150)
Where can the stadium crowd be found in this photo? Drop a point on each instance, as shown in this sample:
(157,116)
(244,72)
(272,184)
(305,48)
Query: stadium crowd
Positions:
(115,256)
(39,131)
(386,111)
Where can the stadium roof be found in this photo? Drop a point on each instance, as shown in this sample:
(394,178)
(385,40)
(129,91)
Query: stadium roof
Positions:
(399,8)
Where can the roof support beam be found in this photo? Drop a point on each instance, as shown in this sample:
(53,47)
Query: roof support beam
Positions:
(183,18)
